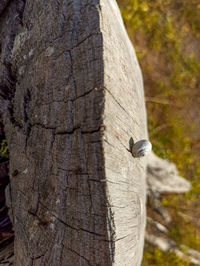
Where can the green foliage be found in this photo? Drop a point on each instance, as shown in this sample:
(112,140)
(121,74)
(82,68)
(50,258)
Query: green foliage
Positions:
(192,236)
(3,149)
(191,13)
(153,256)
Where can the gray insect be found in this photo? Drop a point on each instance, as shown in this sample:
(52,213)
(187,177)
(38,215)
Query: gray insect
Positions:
(140,148)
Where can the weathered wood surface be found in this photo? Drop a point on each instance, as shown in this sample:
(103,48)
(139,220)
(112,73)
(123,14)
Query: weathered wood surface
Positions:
(163,177)
(71,98)
(124,117)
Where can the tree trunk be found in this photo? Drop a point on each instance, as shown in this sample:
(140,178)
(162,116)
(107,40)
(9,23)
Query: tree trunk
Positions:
(71,99)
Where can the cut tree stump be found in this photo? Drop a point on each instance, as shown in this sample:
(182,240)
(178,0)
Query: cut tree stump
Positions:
(71,98)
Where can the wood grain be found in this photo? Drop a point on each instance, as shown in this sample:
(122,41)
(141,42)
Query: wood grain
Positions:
(76,100)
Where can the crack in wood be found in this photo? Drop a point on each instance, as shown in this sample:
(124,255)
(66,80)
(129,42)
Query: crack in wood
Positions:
(68,225)
(85,259)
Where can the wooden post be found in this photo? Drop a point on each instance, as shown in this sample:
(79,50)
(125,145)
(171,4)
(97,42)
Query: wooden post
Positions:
(73,99)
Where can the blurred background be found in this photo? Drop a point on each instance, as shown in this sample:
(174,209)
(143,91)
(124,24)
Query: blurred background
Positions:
(166,37)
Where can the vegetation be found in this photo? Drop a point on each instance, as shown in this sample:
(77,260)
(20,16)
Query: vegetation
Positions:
(153,256)
(166,37)
(3,149)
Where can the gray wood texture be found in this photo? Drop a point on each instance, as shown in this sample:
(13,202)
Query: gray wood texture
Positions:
(163,177)
(71,99)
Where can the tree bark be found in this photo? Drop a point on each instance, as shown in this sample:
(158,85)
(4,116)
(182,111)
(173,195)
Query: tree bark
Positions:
(71,99)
